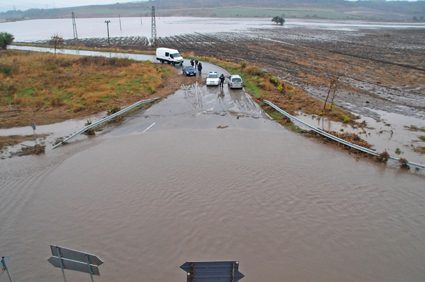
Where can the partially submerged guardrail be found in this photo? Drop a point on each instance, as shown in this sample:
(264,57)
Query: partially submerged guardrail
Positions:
(330,136)
(105,120)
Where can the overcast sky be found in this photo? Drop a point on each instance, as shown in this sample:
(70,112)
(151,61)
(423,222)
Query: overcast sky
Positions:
(6,5)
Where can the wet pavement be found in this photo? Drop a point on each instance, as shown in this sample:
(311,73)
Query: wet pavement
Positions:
(200,107)
(195,106)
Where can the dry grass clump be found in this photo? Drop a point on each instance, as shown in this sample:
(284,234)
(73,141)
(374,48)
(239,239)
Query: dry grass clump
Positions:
(44,82)
(420,149)
(403,163)
(12,140)
(383,157)
(32,150)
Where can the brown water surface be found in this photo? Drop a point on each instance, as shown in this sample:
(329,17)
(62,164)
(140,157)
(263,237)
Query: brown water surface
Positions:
(145,202)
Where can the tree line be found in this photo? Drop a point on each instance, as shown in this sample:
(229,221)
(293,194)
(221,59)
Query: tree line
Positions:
(414,8)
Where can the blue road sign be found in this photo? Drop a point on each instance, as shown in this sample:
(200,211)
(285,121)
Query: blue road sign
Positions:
(215,271)
(3,264)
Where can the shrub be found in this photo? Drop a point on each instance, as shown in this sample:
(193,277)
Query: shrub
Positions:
(112,110)
(5,70)
(403,163)
(5,39)
(56,101)
(274,80)
(281,88)
(346,119)
(253,71)
(243,65)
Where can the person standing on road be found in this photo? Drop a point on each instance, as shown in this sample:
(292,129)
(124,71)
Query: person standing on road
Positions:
(221,80)
(196,63)
(192,63)
(199,68)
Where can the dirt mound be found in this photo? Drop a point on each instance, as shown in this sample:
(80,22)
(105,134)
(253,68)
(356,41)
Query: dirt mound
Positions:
(32,150)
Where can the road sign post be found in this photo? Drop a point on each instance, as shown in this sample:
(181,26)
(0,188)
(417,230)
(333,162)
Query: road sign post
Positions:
(74,260)
(33,131)
(3,267)
(217,271)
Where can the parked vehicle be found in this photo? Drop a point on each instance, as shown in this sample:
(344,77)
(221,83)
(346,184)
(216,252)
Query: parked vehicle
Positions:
(235,81)
(213,79)
(189,70)
(171,56)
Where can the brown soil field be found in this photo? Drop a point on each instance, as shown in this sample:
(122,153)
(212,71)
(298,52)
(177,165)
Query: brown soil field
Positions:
(378,69)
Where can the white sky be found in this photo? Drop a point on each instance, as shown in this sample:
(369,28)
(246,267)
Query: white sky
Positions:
(6,5)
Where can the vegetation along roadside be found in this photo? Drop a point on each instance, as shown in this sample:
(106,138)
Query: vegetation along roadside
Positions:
(47,88)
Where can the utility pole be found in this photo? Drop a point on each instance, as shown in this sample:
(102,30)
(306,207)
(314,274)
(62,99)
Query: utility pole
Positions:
(107,26)
(154,39)
(119,16)
(74,26)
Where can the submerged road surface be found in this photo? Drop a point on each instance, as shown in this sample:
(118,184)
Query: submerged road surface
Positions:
(199,177)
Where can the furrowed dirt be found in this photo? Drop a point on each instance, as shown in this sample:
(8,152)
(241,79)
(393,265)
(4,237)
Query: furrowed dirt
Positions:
(380,69)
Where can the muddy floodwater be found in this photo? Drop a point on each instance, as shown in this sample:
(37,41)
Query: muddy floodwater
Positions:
(204,175)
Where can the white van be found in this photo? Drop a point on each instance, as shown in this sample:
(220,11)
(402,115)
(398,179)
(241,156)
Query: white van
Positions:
(172,56)
(235,81)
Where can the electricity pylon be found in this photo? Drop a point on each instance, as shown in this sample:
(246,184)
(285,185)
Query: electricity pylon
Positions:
(74,27)
(154,39)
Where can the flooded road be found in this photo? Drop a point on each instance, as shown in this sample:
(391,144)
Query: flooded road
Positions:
(204,176)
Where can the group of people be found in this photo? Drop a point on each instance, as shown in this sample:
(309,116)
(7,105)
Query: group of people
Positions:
(197,65)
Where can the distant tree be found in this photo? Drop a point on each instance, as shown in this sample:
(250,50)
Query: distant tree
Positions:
(5,39)
(278,20)
(56,42)
(415,18)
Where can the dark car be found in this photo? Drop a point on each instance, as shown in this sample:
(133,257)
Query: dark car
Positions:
(189,71)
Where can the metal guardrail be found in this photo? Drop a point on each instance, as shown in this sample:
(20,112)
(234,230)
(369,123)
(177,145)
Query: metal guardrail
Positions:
(330,136)
(105,120)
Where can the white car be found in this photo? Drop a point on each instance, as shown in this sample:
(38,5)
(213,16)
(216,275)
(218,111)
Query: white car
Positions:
(235,81)
(213,79)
